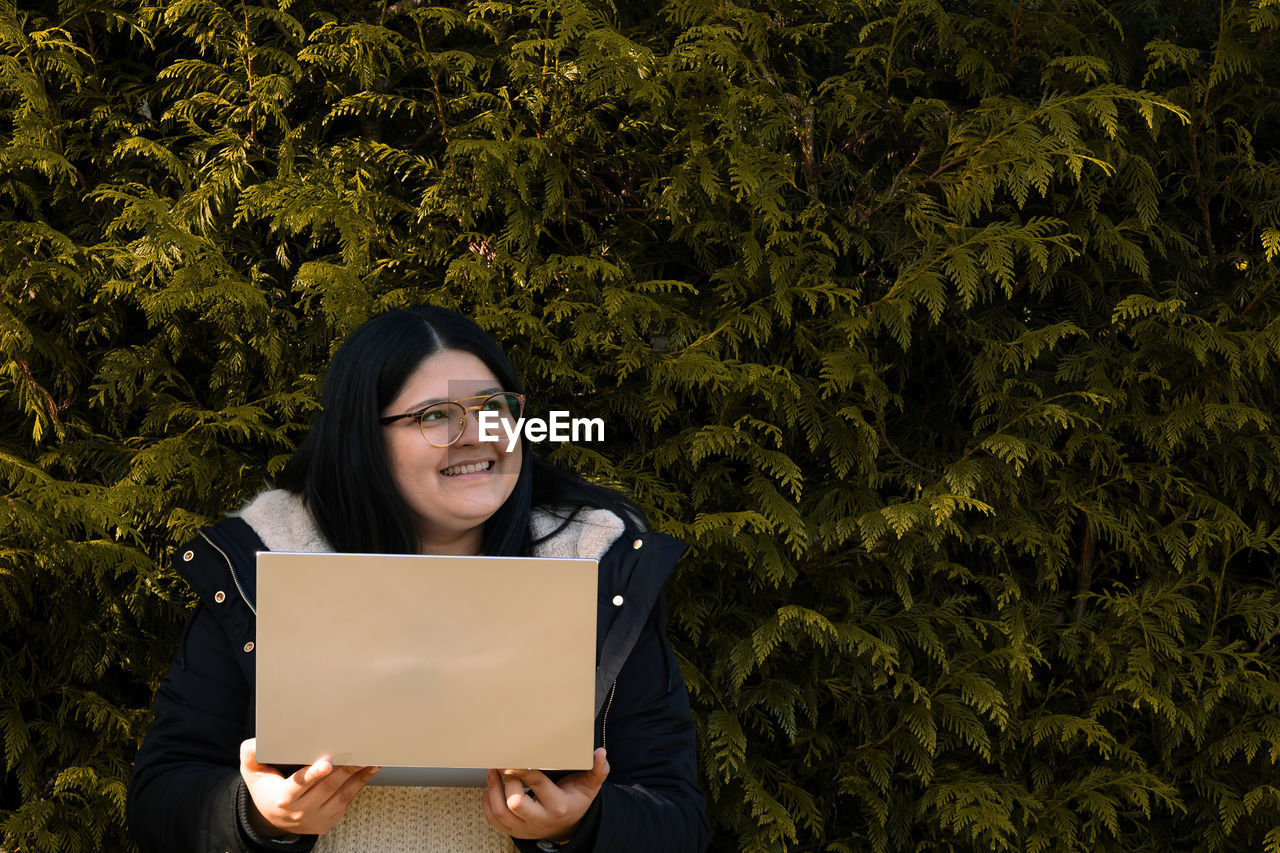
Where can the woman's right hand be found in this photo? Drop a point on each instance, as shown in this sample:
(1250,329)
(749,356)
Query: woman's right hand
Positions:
(308,802)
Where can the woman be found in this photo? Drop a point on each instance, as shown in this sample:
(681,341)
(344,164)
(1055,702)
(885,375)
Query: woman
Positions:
(394,465)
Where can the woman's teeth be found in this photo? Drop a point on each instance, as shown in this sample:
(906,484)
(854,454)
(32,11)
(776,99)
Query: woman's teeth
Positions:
(467,469)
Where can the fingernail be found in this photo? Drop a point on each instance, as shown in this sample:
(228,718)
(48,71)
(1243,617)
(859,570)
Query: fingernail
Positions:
(375,771)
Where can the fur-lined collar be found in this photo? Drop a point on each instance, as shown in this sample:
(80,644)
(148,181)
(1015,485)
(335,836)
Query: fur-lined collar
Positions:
(284,523)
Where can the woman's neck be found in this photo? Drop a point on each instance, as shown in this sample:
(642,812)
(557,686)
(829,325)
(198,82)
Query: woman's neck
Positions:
(462,544)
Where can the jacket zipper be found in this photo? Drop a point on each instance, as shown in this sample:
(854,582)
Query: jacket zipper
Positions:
(604,723)
(234,577)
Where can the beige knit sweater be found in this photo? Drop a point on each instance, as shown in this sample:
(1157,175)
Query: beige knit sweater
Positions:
(388,819)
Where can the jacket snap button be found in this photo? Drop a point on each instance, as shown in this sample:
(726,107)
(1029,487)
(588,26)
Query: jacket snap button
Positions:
(248,647)
(187,557)
(636,544)
(219,596)
(617,601)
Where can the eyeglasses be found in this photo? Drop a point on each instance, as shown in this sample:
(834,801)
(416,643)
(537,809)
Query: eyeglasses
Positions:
(443,423)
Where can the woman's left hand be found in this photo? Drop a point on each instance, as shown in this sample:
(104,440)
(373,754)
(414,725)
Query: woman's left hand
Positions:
(548,809)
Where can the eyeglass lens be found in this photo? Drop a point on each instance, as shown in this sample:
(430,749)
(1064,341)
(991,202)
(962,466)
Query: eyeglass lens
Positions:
(442,424)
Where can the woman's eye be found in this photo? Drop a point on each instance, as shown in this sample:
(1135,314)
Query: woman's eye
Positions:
(431,415)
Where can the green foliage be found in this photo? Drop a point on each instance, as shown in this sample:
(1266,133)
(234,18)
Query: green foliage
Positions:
(946,334)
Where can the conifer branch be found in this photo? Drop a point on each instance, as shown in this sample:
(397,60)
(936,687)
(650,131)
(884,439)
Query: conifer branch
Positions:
(48,397)
(439,100)
(1202,203)
(801,122)
(401,5)
(890,194)
(1039,113)
(898,453)
(1266,641)
(1257,298)
(1087,550)
(1013,42)
(248,73)
(878,742)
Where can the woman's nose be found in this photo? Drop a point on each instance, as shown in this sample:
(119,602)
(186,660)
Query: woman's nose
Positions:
(470,428)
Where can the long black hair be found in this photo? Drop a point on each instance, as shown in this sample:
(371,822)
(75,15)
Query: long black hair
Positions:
(340,469)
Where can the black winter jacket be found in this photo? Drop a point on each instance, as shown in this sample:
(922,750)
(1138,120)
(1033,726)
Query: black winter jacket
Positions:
(186,793)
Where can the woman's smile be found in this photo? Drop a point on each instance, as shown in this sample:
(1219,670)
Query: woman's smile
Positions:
(463,469)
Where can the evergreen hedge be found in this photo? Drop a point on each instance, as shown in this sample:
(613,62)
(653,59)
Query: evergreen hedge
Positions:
(945,332)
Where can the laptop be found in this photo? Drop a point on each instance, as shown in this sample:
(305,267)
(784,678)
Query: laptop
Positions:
(434,668)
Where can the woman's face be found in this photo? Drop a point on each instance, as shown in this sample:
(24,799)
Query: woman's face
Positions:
(450,506)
